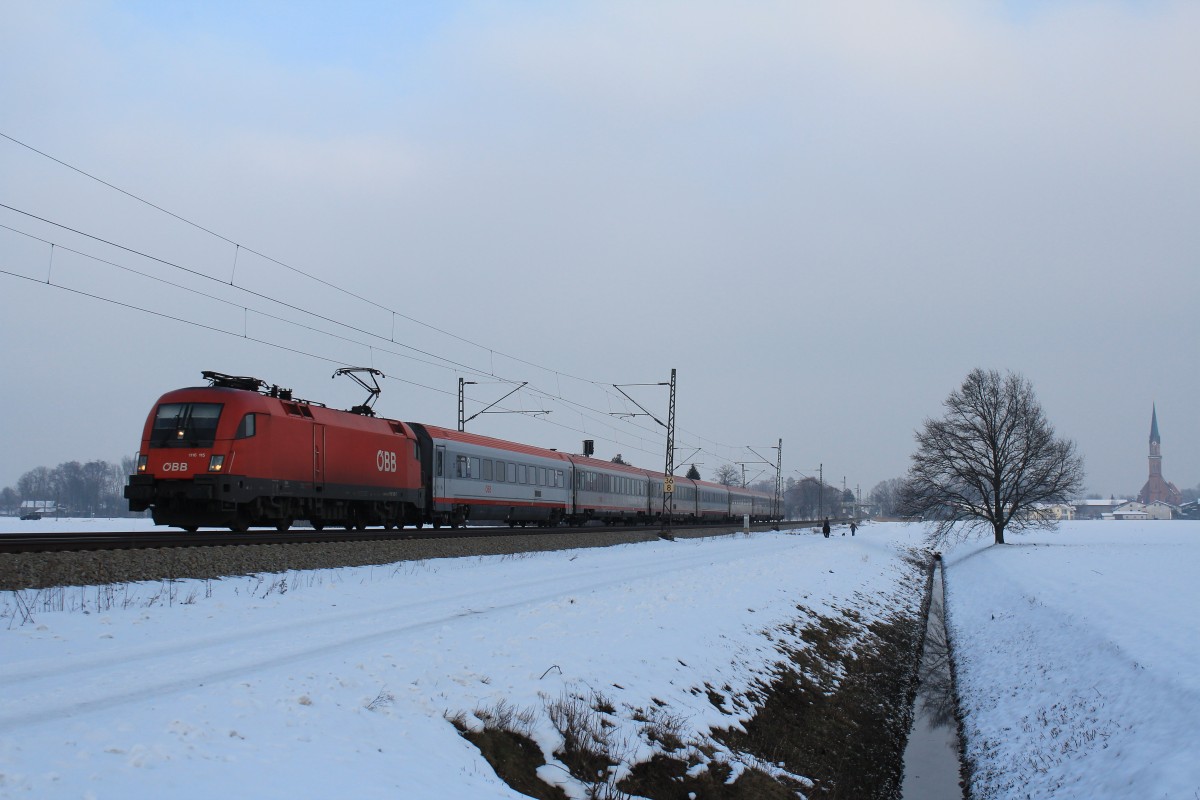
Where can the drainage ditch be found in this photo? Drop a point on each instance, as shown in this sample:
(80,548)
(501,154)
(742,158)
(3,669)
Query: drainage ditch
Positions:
(932,767)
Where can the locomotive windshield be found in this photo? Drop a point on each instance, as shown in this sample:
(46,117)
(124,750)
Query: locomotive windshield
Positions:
(185,425)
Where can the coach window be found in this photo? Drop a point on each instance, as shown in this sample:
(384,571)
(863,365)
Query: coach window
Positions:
(500,472)
(245,428)
(473,467)
(440,455)
(460,466)
(487,469)
(520,473)
(510,472)
(541,476)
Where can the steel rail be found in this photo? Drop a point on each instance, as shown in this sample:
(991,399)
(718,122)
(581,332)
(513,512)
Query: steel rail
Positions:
(139,540)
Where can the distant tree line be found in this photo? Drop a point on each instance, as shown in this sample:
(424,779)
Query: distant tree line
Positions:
(885,497)
(810,499)
(92,489)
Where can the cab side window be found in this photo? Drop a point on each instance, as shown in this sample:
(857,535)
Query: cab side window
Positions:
(246,427)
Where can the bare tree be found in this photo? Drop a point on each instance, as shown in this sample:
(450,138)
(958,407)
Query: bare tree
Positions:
(728,475)
(886,494)
(807,498)
(989,460)
(9,500)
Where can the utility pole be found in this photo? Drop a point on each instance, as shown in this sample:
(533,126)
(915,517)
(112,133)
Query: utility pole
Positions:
(462,423)
(778,508)
(669,469)
(821,490)
(669,472)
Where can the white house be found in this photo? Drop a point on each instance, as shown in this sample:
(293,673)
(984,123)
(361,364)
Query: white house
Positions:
(1055,511)
(1136,510)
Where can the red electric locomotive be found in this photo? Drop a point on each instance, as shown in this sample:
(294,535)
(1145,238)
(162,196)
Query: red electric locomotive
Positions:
(237,453)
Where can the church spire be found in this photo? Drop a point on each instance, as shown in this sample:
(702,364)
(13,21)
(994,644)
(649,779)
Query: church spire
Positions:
(1157,488)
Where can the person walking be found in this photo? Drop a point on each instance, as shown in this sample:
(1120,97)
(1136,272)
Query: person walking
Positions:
(853,528)
(825,528)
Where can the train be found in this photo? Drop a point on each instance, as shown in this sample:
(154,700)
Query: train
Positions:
(240,453)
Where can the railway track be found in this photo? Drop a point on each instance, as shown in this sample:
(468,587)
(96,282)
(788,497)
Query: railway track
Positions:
(96,559)
(137,540)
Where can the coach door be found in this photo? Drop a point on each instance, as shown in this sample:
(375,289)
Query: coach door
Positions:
(318,455)
(439,472)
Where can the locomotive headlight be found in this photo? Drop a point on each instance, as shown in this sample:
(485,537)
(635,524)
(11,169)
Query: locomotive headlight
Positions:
(216,463)
(142,463)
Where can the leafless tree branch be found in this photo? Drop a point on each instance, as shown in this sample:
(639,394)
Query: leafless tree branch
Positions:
(989,461)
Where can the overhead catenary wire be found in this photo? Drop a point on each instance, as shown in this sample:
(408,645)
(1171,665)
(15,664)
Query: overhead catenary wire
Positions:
(238,247)
(197,292)
(276,261)
(450,364)
(601,421)
(265,342)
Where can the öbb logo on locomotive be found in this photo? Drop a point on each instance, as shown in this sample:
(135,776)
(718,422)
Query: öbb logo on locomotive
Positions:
(385,461)
(240,453)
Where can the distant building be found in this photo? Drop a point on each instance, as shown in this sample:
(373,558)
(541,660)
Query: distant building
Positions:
(1157,489)
(1054,511)
(36,509)
(1097,508)
(1136,510)
(1130,510)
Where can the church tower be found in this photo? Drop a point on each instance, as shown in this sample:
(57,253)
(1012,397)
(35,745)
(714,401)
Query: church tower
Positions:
(1156,488)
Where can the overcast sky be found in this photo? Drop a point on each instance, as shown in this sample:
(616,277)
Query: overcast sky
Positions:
(824,215)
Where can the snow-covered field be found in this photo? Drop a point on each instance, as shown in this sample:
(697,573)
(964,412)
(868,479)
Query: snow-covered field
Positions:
(1078,659)
(1077,655)
(75,525)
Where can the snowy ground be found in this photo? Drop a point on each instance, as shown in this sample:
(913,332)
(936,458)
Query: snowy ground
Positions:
(304,684)
(75,525)
(1078,659)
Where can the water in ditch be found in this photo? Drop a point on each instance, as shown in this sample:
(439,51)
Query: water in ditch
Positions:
(931,758)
